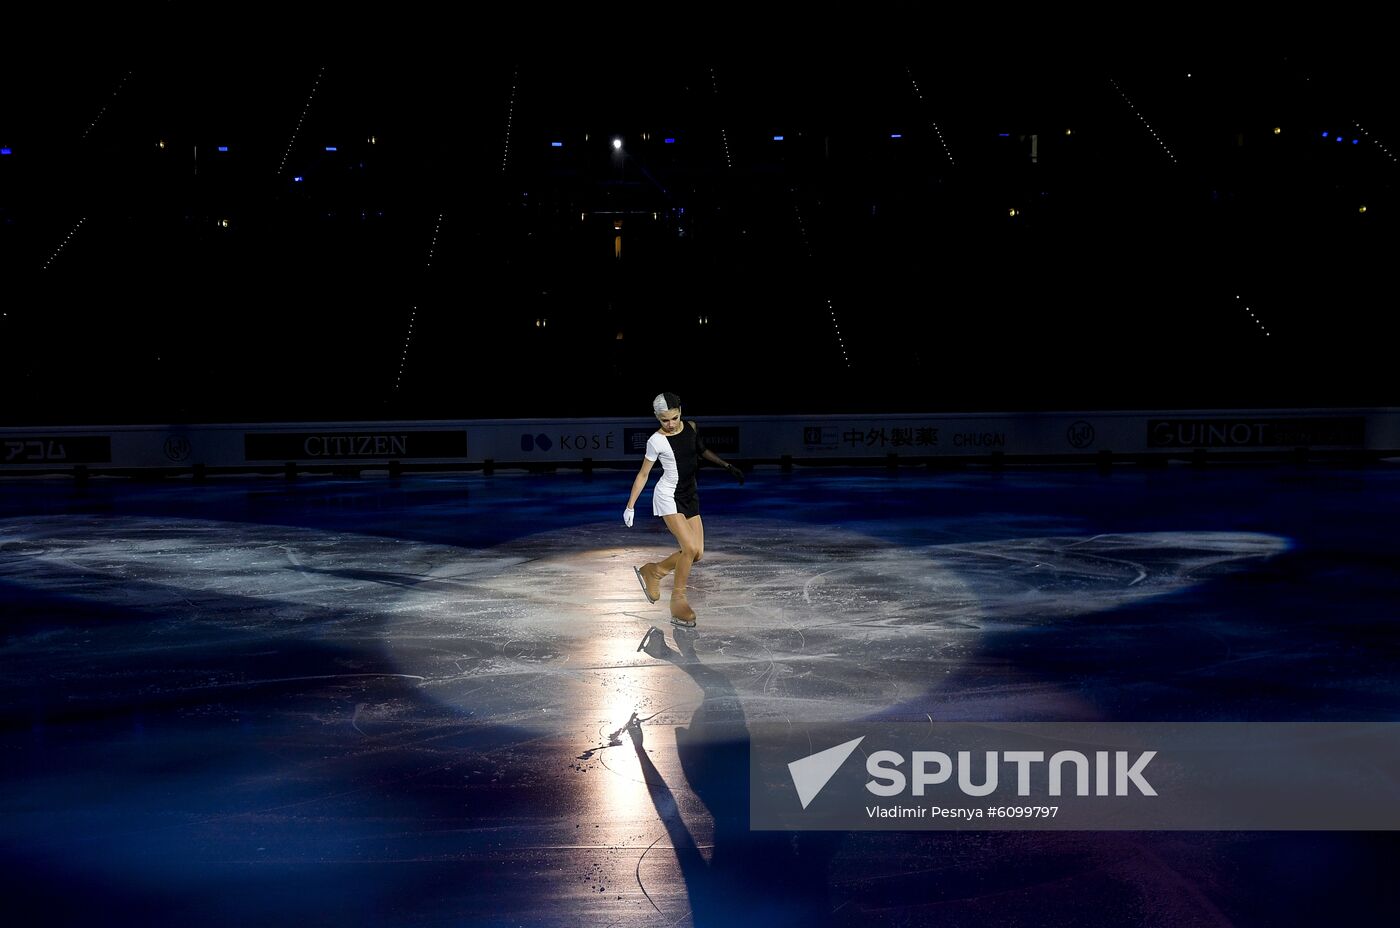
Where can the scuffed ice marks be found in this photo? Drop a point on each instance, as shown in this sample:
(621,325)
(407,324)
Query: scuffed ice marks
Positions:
(797,618)
(813,621)
(1033,580)
(160,562)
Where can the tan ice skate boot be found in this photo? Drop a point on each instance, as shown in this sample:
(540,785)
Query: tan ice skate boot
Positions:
(681,613)
(649,576)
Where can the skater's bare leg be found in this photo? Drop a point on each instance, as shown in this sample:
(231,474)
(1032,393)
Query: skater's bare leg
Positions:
(653,573)
(680,527)
(697,531)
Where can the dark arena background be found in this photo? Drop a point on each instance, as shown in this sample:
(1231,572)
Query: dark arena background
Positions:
(1059,370)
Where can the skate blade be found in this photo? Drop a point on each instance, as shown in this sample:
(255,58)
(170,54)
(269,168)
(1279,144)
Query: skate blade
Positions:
(683,623)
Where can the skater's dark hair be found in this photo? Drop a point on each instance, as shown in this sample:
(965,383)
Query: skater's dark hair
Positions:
(665,401)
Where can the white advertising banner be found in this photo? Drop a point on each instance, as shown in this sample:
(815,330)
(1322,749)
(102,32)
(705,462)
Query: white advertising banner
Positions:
(855,438)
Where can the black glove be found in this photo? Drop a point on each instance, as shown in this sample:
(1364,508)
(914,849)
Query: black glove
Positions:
(736,473)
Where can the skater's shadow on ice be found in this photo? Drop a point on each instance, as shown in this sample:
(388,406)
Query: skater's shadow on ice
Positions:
(752,877)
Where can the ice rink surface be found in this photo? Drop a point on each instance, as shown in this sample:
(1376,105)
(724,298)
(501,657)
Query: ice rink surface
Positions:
(404,702)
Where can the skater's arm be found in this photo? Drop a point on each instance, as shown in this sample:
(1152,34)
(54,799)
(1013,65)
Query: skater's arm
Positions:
(734,472)
(639,484)
(714,458)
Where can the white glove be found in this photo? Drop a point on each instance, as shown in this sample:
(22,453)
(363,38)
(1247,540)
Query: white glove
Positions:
(627,516)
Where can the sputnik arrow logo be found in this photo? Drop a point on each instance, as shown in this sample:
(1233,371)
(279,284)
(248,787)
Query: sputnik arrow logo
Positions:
(812,773)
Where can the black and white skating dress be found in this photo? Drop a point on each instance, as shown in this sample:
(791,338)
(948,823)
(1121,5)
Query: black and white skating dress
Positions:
(680,453)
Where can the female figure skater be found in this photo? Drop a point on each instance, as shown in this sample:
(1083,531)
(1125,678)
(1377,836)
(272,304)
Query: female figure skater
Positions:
(679,447)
